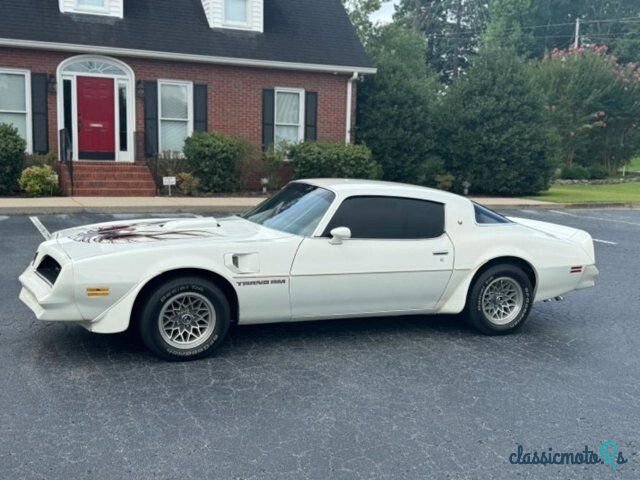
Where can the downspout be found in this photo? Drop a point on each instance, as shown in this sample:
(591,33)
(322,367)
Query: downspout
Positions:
(352,79)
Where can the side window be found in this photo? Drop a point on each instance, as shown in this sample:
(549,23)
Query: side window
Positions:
(389,218)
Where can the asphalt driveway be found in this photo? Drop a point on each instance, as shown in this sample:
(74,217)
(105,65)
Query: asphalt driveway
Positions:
(413,397)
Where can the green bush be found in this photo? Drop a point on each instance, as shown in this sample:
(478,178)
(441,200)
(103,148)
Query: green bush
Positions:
(494,130)
(574,172)
(598,172)
(396,106)
(333,160)
(11,156)
(215,158)
(39,181)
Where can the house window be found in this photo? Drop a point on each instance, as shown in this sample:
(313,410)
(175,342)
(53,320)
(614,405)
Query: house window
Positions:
(289,116)
(176,114)
(105,8)
(92,4)
(236,11)
(15,101)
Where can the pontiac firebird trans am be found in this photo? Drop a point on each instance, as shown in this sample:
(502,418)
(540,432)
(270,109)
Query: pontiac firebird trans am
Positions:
(318,249)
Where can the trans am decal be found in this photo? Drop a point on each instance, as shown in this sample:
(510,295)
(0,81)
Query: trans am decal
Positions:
(254,283)
(140,232)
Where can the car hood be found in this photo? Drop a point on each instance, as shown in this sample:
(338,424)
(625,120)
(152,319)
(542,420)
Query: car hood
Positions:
(103,238)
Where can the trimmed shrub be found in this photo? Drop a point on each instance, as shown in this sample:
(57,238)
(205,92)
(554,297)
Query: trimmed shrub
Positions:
(11,157)
(333,160)
(215,158)
(494,129)
(574,172)
(39,181)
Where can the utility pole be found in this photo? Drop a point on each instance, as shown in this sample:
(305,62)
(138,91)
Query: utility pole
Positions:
(576,42)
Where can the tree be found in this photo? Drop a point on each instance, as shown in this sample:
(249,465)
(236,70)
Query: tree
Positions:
(535,27)
(506,29)
(593,102)
(452,29)
(396,106)
(360,14)
(494,122)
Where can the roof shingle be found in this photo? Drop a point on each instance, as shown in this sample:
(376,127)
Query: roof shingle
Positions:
(299,31)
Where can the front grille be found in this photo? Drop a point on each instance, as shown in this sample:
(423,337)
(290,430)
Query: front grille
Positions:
(49,269)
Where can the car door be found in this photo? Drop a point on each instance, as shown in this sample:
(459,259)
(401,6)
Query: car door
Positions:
(398,259)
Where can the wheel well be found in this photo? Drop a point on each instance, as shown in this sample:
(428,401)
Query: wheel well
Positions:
(519,262)
(221,282)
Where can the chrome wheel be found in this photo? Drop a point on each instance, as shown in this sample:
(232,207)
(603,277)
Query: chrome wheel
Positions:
(187,320)
(502,300)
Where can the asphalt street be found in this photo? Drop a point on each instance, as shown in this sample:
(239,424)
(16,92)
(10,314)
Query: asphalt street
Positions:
(385,398)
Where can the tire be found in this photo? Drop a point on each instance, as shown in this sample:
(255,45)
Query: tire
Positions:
(499,300)
(186,318)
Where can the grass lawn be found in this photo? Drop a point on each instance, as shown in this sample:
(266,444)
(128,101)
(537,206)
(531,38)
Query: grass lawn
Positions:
(634,165)
(618,193)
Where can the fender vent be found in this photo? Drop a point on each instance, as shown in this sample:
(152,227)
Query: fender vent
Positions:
(49,269)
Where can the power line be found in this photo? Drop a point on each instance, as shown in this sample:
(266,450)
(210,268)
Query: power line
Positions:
(533,27)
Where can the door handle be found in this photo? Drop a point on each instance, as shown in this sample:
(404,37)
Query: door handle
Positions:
(441,252)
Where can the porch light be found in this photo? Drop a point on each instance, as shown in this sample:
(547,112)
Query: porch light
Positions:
(52,83)
(140,89)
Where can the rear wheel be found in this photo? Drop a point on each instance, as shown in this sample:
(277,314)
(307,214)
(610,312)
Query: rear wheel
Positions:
(500,300)
(184,319)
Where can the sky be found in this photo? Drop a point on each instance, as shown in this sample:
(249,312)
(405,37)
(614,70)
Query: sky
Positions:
(386,12)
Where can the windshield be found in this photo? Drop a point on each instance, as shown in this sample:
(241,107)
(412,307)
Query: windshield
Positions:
(297,209)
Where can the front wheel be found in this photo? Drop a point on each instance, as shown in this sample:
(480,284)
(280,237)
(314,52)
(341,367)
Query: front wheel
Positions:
(184,319)
(500,300)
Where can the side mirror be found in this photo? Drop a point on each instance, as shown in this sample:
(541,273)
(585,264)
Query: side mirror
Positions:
(339,234)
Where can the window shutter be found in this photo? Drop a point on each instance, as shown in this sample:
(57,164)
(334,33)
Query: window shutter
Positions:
(40,112)
(200,108)
(311,116)
(268,118)
(151,119)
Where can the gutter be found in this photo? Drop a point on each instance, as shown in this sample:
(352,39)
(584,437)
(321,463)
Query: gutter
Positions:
(182,57)
(353,78)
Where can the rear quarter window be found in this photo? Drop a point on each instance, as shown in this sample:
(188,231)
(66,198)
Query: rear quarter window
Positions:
(486,216)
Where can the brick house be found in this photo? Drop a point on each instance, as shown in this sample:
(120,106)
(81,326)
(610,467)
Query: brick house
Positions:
(109,84)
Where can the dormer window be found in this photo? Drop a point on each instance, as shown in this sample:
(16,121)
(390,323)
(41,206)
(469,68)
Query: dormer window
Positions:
(107,8)
(92,4)
(235,14)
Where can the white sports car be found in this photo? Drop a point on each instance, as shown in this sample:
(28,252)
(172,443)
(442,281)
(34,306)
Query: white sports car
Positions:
(318,249)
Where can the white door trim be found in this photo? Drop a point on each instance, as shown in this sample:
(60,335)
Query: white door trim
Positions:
(128,78)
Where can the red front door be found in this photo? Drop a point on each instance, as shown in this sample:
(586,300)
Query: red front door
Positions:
(96,118)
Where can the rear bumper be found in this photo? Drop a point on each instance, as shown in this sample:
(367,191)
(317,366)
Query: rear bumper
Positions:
(588,277)
(45,301)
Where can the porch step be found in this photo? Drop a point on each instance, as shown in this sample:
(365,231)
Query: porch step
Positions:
(108,179)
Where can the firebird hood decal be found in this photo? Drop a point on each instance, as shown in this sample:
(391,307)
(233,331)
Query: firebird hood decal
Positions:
(148,231)
(141,234)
